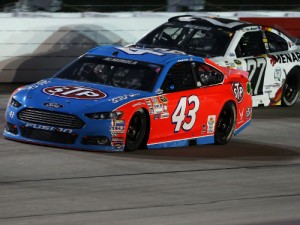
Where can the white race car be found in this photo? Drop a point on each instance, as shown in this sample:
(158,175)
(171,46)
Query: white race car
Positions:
(270,56)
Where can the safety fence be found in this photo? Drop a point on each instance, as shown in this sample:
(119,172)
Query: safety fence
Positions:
(36,45)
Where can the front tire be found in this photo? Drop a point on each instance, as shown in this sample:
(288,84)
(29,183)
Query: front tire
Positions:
(290,92)
(136,131)
(225,124)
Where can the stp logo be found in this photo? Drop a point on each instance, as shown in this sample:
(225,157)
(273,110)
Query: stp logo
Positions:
(77,92)
(238,91)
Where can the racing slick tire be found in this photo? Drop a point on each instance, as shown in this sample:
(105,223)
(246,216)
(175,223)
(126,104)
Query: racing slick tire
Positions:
(225,125)
(290,92)
(137,131)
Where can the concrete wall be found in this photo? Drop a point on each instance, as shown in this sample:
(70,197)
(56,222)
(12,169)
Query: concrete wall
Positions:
(36,45)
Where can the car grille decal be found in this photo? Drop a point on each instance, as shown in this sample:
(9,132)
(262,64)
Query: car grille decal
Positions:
(50,136)
(50,118)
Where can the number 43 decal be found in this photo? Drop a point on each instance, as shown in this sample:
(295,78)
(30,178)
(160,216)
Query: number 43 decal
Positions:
(179,116)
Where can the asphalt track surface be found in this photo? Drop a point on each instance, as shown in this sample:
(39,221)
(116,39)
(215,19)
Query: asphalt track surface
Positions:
(253,180)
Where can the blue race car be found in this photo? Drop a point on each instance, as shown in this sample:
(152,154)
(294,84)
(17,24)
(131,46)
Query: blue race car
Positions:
(123,98)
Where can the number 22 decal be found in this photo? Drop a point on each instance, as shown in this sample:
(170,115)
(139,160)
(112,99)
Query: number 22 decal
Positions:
(179,116)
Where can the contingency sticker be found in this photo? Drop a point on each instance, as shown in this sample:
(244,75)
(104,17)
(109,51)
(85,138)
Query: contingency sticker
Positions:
(211,121)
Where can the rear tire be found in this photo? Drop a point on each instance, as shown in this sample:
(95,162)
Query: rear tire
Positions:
(290,92)
(136,131)
(225,124)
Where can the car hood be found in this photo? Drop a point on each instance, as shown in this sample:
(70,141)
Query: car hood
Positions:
(70,96)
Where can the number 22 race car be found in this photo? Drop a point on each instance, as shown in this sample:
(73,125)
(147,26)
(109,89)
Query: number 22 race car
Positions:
(271,57)
(124,98)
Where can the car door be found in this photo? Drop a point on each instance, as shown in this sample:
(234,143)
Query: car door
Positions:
(182,111)
(251,56)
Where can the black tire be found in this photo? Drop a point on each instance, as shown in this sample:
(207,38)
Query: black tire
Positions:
(225,124)
(136,132)
(290,92)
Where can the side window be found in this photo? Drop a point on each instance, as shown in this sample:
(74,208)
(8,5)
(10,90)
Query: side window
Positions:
(169,36)
(207,75)
(179,78)
(276,43)
(251,44)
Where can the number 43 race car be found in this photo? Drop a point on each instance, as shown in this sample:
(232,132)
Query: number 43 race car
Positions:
(124,98)
(271,57)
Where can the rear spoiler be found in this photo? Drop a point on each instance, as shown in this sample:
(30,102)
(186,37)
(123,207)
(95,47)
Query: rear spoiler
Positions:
(227,70)
(231,71)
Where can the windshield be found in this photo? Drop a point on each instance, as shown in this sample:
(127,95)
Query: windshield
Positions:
(112,72)
(193,39)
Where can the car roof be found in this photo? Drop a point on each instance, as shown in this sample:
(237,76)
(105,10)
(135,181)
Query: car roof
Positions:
(217,22)
(148,55)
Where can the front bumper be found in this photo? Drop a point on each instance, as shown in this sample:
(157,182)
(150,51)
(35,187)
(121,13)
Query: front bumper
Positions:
(95,135)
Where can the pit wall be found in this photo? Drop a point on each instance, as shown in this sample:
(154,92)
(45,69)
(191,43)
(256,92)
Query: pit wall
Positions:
(35,46)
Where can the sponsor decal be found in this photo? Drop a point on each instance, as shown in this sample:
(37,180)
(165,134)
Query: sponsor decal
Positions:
(158,108)
(121,98)
(164,115)
(232,65)
(38,84)
(273,59)
(203,129)
(125,61)
(285,58)
(237,62)
(276,85)
(118,145)
(277,74)
(249,90)
(165,108)
(77,92)
(251,28)
(241,112)
(138,104)
(192,26)
(149,103)
(211,120)
(154,100)
(48,128)
(156,116)
(182,60)
(248,112)
(266,45)
(118,123)
(238,91)
(137,51)
(118,129)
(53,105)
(117,139)
(163,99)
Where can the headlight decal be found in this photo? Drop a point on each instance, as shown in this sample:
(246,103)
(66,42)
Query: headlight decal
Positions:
(14,103)
(104,115)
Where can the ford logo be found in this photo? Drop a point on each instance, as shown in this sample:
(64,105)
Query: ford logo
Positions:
(53,105)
